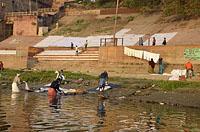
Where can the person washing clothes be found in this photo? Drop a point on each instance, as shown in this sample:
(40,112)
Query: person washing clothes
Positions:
(52,92)
(60,75)
(16,82)
(189,67)
(103,78)
(54,87)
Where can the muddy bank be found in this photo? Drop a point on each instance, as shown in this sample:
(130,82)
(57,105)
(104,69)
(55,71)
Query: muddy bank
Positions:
(133,90)
(145,92)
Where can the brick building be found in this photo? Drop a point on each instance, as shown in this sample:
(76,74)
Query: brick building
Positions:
(25,5)
(2,22)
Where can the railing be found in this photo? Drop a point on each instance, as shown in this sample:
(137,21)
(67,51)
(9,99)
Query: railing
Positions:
(42,10)
(112,41)
(21,13)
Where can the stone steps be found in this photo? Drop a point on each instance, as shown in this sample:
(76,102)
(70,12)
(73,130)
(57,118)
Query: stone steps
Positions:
(89,55)
(67,59)
(80,55)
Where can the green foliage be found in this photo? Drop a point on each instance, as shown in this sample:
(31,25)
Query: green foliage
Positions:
(183,8)
(80,21)
(105,3)
(78,26)
(39,76)
(172,85)
(141,3)
(130,18)
(118,17)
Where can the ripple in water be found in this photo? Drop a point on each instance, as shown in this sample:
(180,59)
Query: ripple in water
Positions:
(32,112)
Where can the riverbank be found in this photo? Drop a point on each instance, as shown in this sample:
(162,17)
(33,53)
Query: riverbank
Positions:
(175,93)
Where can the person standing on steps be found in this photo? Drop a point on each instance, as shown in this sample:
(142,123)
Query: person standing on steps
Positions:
(164,42)
(140,41)
(76,50)
(86,44)
(72,46)
(154,41)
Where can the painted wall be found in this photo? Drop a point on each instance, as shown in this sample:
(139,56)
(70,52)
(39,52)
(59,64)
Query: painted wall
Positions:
(170,54)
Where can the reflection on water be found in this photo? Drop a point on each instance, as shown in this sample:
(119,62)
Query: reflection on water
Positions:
(37,112)
(101,111)
(55,102)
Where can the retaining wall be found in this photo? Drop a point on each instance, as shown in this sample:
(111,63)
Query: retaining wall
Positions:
(170,54)
(109,11)
(17,61)
(24,25)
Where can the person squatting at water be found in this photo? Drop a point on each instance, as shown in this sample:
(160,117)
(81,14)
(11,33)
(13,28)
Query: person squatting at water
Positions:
(16,82)
(103,78)
(189,67)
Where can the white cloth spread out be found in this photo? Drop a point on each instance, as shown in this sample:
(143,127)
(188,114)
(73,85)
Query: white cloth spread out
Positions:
(149,55)
(129,52)
(139,54)
(176,73)
(160,37)
(142,54)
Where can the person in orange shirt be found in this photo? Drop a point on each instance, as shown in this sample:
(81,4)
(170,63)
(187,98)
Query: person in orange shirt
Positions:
(188,67)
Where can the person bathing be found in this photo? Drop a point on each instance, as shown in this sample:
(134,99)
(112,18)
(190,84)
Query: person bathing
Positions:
(16,82)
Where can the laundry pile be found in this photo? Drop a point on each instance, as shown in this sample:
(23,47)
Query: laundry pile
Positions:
(177,73)
(141,54)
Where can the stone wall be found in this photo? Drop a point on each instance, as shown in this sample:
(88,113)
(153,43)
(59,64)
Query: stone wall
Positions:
(18,61)
(23,5)
(24,25)
(13,62)
(110,58)
(170,54)
(2,30)
(2,11)
(120,11)
(77,12)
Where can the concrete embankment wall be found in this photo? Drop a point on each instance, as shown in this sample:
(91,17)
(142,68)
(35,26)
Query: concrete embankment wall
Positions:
(114,60)
(111,59)
(170,54)
(20,60)
(15,61)
(109,11)
(2,30)
(173,57)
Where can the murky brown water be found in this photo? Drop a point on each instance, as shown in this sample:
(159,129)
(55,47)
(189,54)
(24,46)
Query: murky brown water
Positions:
(31,112)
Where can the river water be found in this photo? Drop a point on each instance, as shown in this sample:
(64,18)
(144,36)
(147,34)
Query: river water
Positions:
(25,112)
